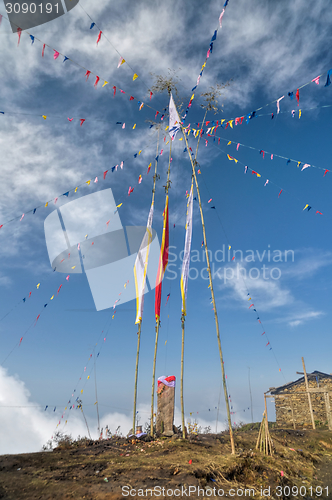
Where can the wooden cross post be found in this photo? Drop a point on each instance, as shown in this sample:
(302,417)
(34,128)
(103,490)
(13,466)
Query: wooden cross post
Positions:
(309,397)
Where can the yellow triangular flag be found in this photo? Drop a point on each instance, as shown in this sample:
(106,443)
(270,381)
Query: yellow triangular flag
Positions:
(300,113)
(209,285)
(181,139)
(139,152)
(231,123)
(167,127)
(134,126)
(88,377)
(88,182)
(118,206)
(113,316)
(229,247)
(52,297)
(46,204)
(73,267)
(44,116)
(167,143)
(306,206)
(298,163)
(229,142)
(38,285)
(192,97)
(135,76)
(81,391)
(76,190)
(105,83)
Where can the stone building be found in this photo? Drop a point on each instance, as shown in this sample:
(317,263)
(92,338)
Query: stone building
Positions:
(292,405)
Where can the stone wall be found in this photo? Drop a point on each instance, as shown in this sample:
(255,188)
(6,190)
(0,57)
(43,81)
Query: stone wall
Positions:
(296,398)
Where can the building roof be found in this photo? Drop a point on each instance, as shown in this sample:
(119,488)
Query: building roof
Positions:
(317,375)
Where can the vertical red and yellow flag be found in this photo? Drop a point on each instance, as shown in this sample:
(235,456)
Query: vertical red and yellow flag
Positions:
(163,261)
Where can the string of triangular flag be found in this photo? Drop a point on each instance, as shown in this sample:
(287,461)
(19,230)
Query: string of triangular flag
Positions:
(211,128)
(91,182)
(209,52)
(270,155)
(307,207)
(88,73)
(122,60)
(103,335)
(253,114)
(249,296)
(41,312)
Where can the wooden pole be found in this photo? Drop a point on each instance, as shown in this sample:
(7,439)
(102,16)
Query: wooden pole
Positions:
(182,371)
(309,398)
(328,411)
(266,427)
(94,360)
(212,291)
(136,374)
(157,320)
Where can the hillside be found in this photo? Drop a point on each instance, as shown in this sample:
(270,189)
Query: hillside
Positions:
(99,469)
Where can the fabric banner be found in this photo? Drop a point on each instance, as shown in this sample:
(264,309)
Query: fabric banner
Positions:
(169,381)
(163,260)
(187,250)
(174,120)
(141,265)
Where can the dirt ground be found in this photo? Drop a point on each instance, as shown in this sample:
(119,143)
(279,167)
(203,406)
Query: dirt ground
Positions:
(301,467)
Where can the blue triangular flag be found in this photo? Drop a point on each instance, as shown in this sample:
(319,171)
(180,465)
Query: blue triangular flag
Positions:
(32,39)
(92,25)
(214,36)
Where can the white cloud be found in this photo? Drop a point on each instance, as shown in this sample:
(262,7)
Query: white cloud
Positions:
(299,319)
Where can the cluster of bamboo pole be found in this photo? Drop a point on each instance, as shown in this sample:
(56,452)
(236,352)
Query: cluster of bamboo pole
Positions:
(264,441)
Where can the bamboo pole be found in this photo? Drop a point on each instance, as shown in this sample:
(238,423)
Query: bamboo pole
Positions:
(154,375)
(309,397)
(182,371)
(136,373)
(94,361)
(193,164)
(157,320)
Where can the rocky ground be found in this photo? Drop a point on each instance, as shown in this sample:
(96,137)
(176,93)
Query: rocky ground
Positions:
(301,467)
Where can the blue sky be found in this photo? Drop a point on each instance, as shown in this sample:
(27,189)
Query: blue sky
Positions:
(264,51)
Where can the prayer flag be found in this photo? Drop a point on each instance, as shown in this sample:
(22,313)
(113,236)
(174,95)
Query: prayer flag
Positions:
(141,265)
(174,120)
(163,260)
(121,61)
(187,251)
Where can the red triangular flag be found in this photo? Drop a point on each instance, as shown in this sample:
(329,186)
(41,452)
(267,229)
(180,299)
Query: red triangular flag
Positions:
(99,37)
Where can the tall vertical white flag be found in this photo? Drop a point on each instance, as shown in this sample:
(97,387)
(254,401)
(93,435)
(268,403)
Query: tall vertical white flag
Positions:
(174,120)
(187,251)
(140,268)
